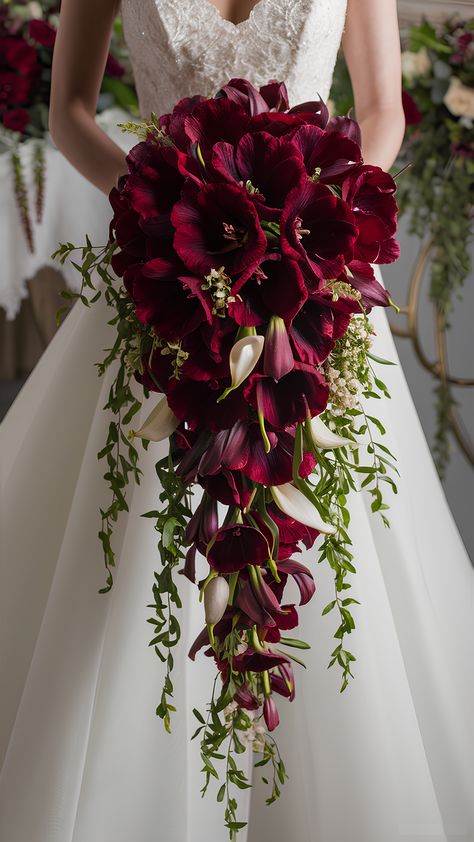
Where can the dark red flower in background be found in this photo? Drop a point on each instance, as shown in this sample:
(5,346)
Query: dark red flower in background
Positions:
(16,54)
(42,32)
(17,119)
(413,115)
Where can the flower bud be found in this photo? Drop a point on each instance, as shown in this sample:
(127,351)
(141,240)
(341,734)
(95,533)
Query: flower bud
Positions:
(160,424)
(278,357)
(270,713)
(216,597)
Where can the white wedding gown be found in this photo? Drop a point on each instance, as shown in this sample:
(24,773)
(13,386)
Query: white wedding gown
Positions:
(85,757)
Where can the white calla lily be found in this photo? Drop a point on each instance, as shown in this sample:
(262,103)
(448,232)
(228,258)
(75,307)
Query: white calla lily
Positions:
(160,424)
(243,358)
(216,597)
(294,504)
(324,438)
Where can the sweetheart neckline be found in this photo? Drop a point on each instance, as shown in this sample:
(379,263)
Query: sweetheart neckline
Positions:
(241,24)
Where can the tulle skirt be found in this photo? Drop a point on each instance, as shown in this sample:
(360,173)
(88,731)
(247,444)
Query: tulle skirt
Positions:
(85,758)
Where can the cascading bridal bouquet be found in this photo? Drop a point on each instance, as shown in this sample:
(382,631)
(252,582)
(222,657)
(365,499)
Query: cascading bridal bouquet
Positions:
(244,233)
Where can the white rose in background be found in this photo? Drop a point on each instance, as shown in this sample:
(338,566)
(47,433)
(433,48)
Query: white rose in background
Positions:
(459,99)
(415,65)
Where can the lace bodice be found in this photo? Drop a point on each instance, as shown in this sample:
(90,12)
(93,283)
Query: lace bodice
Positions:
(184,47)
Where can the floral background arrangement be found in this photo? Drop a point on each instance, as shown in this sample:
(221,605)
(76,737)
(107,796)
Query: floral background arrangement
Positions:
(27,36)
(245,234)
(437,190)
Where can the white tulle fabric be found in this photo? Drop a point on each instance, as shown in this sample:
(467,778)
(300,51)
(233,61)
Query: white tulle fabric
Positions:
(85,757)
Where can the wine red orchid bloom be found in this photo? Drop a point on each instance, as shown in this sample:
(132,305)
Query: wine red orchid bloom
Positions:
(288,400)
(252,660)
(235,546)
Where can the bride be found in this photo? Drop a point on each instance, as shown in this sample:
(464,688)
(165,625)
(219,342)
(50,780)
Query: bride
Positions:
(85,759)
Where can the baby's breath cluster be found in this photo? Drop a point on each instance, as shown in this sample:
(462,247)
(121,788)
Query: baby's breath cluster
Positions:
(219,286)
(253,734)
(346,370)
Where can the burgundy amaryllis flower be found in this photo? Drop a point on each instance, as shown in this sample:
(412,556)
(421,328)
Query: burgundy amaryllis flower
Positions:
(174,304)
(272,96)
(214,120)
(277,287)
(153,185)
(369,190)
(173,122)
(196,402)
(327,156)
(362,277)
(317,326)
(235,546)
(301,392)
(218,225)
(270,166)
(318,228)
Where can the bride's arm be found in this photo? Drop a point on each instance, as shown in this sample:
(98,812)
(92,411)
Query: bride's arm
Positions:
(79,59)
(371,45)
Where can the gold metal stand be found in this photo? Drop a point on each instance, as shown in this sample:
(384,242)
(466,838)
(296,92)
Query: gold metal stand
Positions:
(439,368)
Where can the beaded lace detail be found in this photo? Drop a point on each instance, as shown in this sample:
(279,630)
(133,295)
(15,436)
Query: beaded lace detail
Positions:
(184,47)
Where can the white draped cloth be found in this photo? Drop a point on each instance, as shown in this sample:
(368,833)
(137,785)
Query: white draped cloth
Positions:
(85,757)
(72,208)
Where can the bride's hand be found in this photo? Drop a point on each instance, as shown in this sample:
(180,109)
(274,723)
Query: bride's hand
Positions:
(79,59)
(371,45)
